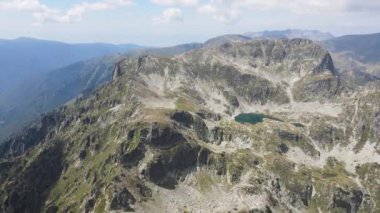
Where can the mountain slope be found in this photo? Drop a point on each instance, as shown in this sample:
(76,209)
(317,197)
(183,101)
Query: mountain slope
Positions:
(364,48)
(26,57)
(162,136)
(23,103)
(357,57)
(217,41)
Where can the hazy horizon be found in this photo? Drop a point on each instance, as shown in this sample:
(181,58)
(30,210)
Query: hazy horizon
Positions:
(170,22)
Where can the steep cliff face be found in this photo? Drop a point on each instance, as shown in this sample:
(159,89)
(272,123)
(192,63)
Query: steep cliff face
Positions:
(323,83)
(161,137)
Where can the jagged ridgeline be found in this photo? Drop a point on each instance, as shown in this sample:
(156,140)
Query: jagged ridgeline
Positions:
(162,137)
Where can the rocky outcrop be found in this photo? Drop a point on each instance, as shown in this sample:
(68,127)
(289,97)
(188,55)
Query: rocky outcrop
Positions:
(208,115)
(192,121)
(282,148)
(30,188)
(376,124)
(218,135)
(130,156)
(122,200)
(326,65)
(322,83)
(259,90)
(165,138)
(268,53)
(118,69)
(174,156)
(326,135)
(31,136)
(288,136)
(349,201)
(173,165)
(231,99)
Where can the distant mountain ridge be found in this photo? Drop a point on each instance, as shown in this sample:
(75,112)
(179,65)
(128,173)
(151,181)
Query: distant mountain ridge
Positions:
(362,47)
(314,35)
(216,41)
(25,61)
(290,34)
(23,57)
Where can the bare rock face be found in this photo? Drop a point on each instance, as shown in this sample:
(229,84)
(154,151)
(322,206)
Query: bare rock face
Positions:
(322,83)
(193,122)
(376,124)
(282,148)
(168,168)
(326,64)
(31,137)
(232,100)
(122,200)
(349,201)
(32,186)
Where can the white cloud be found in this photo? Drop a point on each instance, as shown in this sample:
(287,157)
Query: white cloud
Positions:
(221,10)
(28,5)
(180,3)
(169,15)
(221,14)
(42,13)
(229,11)
(226,11)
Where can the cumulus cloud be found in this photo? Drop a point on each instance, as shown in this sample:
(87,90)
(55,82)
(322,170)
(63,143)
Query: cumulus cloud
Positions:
(221,12)
(229,11)
(42,13)
(27,5)
(169,15)
(226,11)
(185,3)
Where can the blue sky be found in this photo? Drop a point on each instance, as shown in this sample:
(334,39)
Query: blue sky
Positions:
(168,22)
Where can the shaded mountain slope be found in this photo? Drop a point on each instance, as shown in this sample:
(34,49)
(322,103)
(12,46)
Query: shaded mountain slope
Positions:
(364,48)
(24,102)
(26,57)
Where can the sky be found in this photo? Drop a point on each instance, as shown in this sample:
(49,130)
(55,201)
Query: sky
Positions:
(170,22)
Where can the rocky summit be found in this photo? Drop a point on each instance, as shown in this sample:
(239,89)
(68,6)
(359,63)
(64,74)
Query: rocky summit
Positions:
(162,137)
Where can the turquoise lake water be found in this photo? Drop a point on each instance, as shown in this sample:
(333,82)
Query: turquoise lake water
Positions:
(253,118)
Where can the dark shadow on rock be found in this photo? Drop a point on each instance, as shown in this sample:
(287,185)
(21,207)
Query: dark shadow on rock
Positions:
(173,165)
(30,137)
(349,201)
(32,187)
(122,200)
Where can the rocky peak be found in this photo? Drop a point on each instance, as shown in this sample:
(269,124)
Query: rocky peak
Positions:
(220,40)
(326,64)
(142,61)
(291,48)
(117,70)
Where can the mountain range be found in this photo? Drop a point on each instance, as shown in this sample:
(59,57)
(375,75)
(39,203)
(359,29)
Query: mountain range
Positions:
(29,88)
(291,33)
(25,57)
(24,102)
(257,125)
